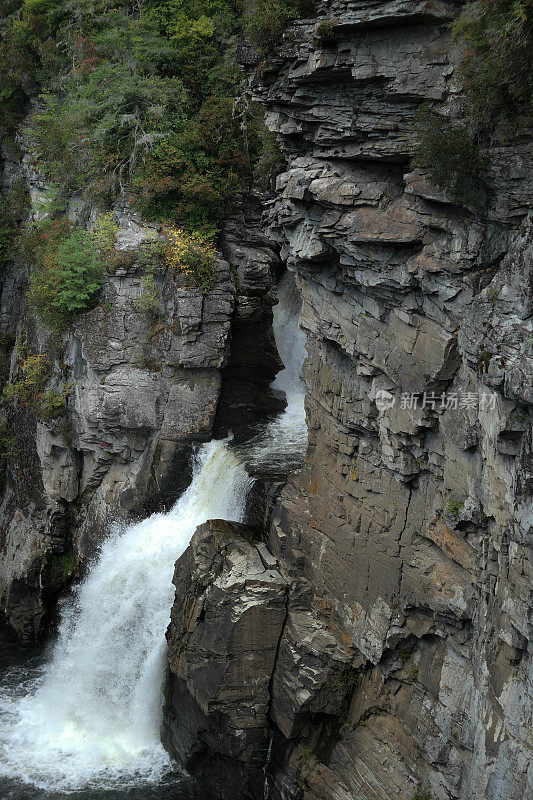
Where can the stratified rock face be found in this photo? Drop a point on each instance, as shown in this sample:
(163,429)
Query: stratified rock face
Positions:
(225,627)
(411,525)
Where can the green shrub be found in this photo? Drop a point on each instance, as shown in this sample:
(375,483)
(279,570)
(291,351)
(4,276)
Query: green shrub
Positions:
(151,255)
(28,386)
(271,160)
(37,239)
(27,53)
(453,507)
(194,176)
(325,30)
(103,233)
(191,254)
(147,302)
(120,259)
(14,203)
(66,432)
(71,274)
(267,19)
(148,107)
(53,403)
(497,65)
(7,236)
(9,450)
(6,345)
(449,156)
(406,653)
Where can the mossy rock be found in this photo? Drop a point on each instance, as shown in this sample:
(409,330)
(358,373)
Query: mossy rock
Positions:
(60,570)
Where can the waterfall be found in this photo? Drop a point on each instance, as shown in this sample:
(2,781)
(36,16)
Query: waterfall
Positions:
(92,718)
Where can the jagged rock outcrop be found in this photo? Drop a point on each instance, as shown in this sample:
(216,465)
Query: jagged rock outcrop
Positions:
(405,664)
(412,525)
(226,622)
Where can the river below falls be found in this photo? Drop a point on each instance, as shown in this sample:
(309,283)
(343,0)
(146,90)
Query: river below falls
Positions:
(21,666)
(83,718)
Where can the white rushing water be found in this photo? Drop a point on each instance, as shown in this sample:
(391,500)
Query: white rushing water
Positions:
(92,717)
(96,715)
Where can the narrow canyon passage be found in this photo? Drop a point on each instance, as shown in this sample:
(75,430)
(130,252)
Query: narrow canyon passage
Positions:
(90,719)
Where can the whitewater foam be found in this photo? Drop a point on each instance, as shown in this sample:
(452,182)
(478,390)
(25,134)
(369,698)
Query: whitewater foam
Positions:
(92,717)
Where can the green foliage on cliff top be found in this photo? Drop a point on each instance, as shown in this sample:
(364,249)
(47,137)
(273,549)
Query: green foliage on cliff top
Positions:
(496,72)
(68,272)
(497,64)
(138,99)
(266,20)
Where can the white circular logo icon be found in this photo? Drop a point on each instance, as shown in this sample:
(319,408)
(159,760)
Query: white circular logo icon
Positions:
(384,400)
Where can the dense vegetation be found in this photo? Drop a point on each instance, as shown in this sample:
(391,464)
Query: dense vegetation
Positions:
(266,20)
(139,99)
(146,96)
(68,276)
(496,73)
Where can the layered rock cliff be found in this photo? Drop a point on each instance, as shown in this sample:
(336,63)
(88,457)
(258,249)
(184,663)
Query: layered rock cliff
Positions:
(404,662)
(377,643)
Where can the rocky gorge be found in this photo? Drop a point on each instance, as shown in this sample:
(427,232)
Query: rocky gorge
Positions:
(368,634)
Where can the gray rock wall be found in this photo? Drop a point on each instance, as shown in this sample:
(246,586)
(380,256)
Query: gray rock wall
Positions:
(404,667)
(146,388)
(411,527)
(225,627)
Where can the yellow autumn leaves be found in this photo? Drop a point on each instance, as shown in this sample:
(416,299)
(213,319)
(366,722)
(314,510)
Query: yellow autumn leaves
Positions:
(192,254)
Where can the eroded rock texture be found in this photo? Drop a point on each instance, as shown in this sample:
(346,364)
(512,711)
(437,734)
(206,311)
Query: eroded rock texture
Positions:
(404,667)
(146,386)
(226,623)
(412,526)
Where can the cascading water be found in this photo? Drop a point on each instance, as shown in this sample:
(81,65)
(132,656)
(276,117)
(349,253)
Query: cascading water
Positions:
(92,717)
(96,715)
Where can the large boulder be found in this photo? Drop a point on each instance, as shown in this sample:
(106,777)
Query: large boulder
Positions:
(226,624)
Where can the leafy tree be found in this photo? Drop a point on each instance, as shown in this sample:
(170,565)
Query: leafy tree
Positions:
(71,275)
